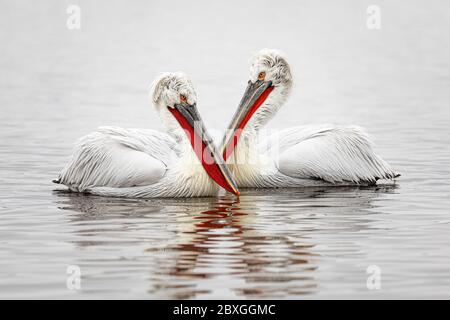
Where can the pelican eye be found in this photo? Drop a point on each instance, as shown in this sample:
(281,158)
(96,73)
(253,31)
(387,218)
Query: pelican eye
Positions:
(261,76)
(183,98)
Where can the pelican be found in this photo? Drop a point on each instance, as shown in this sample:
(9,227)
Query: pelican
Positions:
(294,157)
(141,163)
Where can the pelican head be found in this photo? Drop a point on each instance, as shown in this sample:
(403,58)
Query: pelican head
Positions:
(269,85)
(175,99)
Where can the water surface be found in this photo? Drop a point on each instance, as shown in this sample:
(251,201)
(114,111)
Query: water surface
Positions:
(57,85)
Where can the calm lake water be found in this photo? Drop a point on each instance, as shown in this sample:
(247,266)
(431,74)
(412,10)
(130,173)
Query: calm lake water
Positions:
(58,84)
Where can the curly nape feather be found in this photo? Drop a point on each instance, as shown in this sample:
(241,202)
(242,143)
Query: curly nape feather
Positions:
(274,64)
(168,87)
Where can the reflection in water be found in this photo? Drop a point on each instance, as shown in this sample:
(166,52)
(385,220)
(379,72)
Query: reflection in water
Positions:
(259,247)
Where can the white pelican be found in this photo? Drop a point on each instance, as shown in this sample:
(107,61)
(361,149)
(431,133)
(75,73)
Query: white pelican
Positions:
(298,156)
(140,163)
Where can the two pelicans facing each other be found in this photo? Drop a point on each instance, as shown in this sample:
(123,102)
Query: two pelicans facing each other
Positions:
(141,163)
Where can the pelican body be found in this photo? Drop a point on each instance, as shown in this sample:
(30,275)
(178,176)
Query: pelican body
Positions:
(142,163)
(299,156)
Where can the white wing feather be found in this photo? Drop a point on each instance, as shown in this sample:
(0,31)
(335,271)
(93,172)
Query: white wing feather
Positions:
(117,157)
(331,153)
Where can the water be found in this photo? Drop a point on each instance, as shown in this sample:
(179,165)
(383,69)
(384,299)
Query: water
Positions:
(57,85)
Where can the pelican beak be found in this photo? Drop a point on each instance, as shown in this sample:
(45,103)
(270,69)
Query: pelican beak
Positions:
(254,96)
(203,146)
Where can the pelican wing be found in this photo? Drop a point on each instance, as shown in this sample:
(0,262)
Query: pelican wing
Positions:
(331,153)
(117,157)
